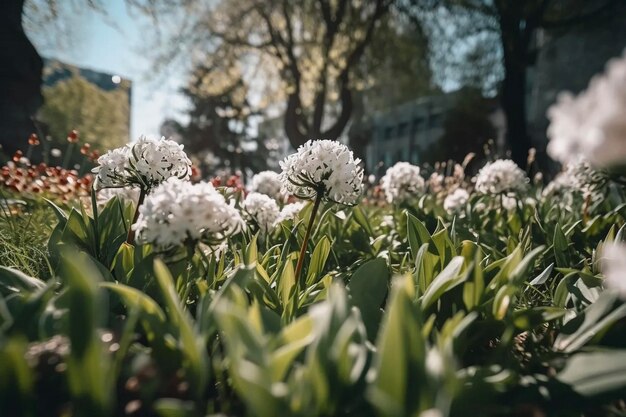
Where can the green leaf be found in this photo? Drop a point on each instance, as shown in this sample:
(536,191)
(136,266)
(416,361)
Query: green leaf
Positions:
(191,346)
(591,323)
(447,279)
(560,247)
(400,362)
(595,373)
(318,260)
(151,313)
(417,234)
(88,364)
(368,289)
(14,281)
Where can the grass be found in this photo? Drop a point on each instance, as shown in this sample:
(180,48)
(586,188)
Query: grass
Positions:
(24,233)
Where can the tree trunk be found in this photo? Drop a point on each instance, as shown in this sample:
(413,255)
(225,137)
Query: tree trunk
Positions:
(20,79)
(515,43)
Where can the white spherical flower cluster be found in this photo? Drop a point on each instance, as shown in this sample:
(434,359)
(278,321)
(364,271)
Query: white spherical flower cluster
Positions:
(456,200)
(145,163)
(290,211)
(323,166)
(261,209)
(613,264)
(178,212)
(268,183)
(592,125)
(402,182)
(501,177)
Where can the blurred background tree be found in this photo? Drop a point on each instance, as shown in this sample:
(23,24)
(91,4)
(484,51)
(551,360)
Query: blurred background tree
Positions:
(499,38)
(218,131)
(100,116)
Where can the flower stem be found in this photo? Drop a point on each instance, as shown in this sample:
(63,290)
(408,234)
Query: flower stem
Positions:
(130,239)
(305,242)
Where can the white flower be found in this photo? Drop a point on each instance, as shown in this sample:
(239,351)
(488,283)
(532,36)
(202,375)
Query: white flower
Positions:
(501,176)
(261,209)
(125,194)
(592,125)
(146,163)
(589,182)
(268,183)
(402,182)
(179,212)
(509,203)
(290,211)
(323,166)
(455,201)
(613,264)
(112,169)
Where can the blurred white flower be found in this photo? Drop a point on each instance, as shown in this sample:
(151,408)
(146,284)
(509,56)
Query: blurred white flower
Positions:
(145,163)
(268,183)
(56,152)
(323,166)
(501,177)
(436,182)
(509,203)
(178,212)
(456,200)
(592,125)
(591,183)
(613,264)
(290,211)
(402,182)
(261,209)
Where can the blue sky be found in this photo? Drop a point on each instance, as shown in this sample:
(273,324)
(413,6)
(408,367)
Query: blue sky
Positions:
(116,48)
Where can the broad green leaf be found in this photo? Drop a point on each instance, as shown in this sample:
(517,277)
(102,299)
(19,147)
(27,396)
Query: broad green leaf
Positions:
(591,323)
(447,279)
(318,259)
(368,290)
(191,345)
(595,373)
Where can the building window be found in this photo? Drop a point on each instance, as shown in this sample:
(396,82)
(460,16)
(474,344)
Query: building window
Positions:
(436,120)
(403,129)
(418,124)
(388,132)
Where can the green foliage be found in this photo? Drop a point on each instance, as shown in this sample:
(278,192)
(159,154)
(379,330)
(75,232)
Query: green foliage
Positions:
(404,311)
(100,116)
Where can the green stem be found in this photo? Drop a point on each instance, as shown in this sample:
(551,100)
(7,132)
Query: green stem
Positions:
(305,242)
(130,239)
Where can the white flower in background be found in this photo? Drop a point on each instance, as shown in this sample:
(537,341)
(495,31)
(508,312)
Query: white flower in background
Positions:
(561,186)
(290,211)
(125,194)
(145,163)
(591,183)
(323,166)
(178,212)
(261,209)
(592,125)
(268,183)
(436,182)
(613,264)
(501,176)
(456,200)
(402,182)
